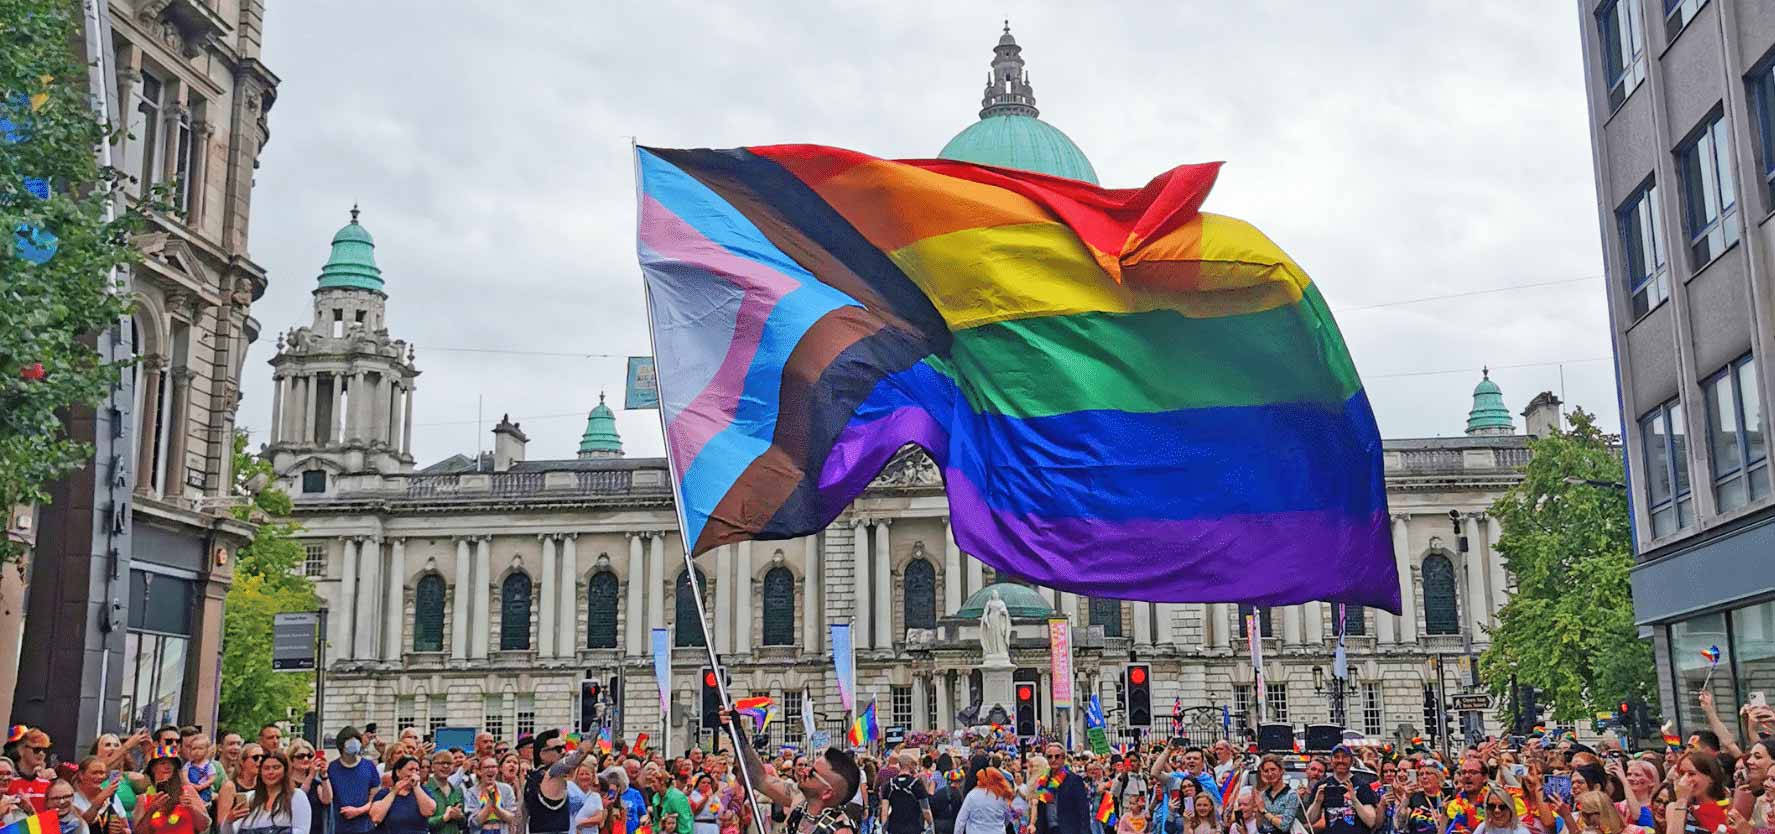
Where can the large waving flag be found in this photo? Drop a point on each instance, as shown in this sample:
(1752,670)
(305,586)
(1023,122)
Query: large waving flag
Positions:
(1127,397)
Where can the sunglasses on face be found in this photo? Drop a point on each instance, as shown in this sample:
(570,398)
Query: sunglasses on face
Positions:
(41,751)
(303,756)
(255,757)
(1502,809)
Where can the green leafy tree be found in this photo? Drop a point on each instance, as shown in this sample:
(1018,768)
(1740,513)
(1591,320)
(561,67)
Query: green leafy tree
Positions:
(268,581)
(51,313)
(1569,630)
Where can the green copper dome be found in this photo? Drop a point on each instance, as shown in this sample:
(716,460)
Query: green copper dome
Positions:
(1023,142)
(353,262)
(600,439)
(1488,415)
(1021,600)
(1010,133)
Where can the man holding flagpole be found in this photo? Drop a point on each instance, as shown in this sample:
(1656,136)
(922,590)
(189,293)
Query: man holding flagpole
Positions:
(831,780)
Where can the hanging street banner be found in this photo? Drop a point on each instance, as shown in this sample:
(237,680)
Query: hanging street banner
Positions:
(641,389)
(1060,653)
(662,669)
(844,662)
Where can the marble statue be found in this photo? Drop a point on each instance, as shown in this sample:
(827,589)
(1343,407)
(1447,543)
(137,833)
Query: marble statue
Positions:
(995,631)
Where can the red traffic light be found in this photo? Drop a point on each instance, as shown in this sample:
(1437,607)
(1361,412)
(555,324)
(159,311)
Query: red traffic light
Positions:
(1137,675)
(1624,708)
(709,678)
(1025,693)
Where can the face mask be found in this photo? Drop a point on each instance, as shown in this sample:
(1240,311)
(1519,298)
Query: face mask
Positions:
(353,747)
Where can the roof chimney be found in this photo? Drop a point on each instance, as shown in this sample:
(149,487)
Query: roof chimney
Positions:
(508,444)
(1542,417)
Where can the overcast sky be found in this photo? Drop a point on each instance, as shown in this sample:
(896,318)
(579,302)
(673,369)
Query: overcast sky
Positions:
(1398,150)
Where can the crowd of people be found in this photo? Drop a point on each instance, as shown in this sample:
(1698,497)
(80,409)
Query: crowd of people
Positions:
(177,781)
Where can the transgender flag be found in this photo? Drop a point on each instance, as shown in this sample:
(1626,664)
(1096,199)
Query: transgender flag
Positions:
(1127,397)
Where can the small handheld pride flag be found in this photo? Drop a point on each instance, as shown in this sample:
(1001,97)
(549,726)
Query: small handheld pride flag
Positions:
(1711,654)
(44,823)
(756,708)
(1106,809)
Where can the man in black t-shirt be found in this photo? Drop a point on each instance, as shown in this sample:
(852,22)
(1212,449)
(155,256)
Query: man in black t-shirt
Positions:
(905,804)
(1346,805)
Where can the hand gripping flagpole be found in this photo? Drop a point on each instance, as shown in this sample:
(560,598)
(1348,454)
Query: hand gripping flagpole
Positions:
(690,573)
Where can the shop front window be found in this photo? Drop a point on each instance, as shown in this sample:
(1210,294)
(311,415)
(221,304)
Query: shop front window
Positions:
(1753,648)
(1692,642)
(156,649)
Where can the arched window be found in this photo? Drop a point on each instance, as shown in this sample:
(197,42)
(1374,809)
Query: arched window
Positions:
(1263,621)
(514,613)
(688,627)
(921,594)
(1107,613)
(1355,620)
(1441,613)
(428,614)
(779,608)
(601,611)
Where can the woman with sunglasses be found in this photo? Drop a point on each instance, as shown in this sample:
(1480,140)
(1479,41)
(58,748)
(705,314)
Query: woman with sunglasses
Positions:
(276,806)
(1500,813)
(308,775)
(244,780)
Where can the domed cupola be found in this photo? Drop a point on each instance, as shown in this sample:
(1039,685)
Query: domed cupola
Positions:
(1010,133)
(1488,415)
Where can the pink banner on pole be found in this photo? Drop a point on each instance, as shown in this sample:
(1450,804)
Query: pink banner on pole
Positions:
(1060,652)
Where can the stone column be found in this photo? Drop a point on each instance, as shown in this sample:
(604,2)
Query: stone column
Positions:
(150,385)
(1290,624)
(920,703)
(360,395)
(976,577)
(394,415)
(1215,630)
(634,614)
(310,393)
(1478,611)
(567,610)
(464,581)
(952,578)
(394,613)
(407,422)
(546,628)
(1313,613)
(1143,623)
(337,419)
(813,638)
(883,587)
(481,599)
(1166,633)
(945,712)
(151,366)
(369,573)
(346,612)
(1500,578)
(1069,605)
(1408,599)
(742,598)
(860,577)
(656,580)
(723,625)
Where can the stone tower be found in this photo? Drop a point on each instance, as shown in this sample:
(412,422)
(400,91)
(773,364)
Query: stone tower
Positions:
(600,439)
(343,400)
(1488,415)
(1008,92)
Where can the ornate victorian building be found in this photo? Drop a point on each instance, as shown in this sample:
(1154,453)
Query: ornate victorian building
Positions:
(150,517)
(481,592)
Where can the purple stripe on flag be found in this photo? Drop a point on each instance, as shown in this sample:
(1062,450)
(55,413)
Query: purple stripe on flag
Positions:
(713,408)
(1100,557)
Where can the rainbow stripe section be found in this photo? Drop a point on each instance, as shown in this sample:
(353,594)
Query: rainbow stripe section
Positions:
(1127,397)
(45,823)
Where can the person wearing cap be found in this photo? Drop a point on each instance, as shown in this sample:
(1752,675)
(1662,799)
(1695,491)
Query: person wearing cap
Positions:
(1346,806)
(545,788)
(354,779)
(32,748)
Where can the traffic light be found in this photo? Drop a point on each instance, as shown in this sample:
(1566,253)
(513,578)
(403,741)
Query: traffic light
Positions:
(590,693)
(1140,695)
(1528,712)
(1026,709)
(711,699)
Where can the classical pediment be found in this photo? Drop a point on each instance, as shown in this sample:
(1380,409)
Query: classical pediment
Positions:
(909,467)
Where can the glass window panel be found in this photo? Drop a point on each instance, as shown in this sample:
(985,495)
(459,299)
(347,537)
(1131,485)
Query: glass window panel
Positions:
(1688,639)
(132,647)
(169,681)
(1732,493)
(1679,449)
(1657,456)
(687,625)
(1722,412)
(428,614)
(1441,612)
(601,602)
(514,613)
(921,594)
(1753,647)
(1107,613)
(1722,158)
(779,607)
(1750,395)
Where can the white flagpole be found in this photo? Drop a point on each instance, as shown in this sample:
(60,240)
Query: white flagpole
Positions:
(696,587)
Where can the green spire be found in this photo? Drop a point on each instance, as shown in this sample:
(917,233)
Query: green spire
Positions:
(600,439)
(1488,416)
(353,262)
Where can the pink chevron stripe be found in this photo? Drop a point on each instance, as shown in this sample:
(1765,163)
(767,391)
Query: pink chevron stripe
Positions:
(714,407)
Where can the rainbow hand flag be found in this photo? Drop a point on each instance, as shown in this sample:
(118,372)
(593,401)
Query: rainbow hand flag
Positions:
(756,708)
(1127,397)
(605,742)
(1711,654)
(864,730)
(1106,809)
(44,823)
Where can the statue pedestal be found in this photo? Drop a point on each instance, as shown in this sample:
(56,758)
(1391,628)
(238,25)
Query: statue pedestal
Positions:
(995,681)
